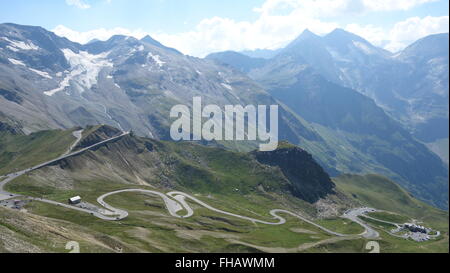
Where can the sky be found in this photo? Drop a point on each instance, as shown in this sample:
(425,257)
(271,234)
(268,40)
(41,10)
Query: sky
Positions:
(200,27)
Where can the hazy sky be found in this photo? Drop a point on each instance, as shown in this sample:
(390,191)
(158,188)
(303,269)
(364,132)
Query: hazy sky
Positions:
(198,27)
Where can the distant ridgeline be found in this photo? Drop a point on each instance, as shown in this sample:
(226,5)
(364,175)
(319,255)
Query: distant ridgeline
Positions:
(49,82)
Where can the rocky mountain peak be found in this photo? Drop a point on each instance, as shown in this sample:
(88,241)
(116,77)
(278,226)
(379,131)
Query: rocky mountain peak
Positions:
(149,40)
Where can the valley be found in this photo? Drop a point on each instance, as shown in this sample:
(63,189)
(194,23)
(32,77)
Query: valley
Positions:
(328,144)
(123,204)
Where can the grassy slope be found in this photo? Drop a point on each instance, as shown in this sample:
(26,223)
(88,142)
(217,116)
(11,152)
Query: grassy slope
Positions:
(150,228)
(390,217)
(225,180)
(381,193)
(30,233)
(18,152)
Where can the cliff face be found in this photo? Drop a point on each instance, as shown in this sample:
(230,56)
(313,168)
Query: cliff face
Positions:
(308,179)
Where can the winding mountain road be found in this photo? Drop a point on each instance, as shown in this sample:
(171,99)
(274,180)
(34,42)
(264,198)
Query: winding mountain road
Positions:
(10,177)
(174,201)
(174,207)
(94,213)
(274,213)
(354,214)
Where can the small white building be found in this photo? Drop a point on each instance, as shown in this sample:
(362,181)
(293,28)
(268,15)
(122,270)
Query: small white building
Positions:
(75,200)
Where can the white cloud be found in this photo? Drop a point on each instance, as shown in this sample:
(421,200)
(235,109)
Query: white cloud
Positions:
(402,33)
(390,5)
(281,21)
(78,3)
(414,28)
(376,35)
(323,8)
(268,31)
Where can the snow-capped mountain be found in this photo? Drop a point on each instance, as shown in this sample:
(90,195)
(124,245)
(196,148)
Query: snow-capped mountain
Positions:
(338,83)
(411,85)
(50,82)
(123,81)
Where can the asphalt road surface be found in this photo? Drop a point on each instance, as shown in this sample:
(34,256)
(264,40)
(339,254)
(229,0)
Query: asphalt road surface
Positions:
(78,135)
(10,177)
(180,204)
(353,215)
(174,201)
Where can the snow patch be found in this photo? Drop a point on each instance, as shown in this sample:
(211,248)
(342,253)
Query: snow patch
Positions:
(227,86)
(84,72)
(41,73)
(230,90)
(363,47)
(12,48)
(62,86)
(336,55)
(396,55)
(16,62)
(156,59)
(19,45)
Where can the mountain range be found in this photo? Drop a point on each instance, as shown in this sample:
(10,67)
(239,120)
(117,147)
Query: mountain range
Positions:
(362,94)
(326,87)
(410,85)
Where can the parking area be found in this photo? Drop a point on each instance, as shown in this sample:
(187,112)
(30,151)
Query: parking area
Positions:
(14,204)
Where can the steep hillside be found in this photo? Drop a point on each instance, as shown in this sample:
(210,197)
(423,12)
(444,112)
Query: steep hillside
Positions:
(18,151)
(27,233)
(50,82)
(8,125)
(238,60)
(123,82)
(412,85)
(380,192)
(309,181)
(304,76)
(187,166)
(249,184)
(95,134)
(425,86)
(358,125)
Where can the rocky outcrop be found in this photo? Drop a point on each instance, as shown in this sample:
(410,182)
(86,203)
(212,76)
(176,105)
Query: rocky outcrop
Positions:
(97,134)
(5,127)
(308,180)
